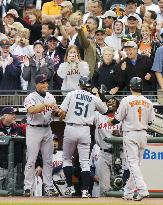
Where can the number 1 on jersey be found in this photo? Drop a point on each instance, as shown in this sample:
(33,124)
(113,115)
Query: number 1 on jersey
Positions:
(139,113)
(80,108)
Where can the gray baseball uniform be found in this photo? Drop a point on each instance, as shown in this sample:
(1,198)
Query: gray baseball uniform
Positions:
(135,112)
(80,106)
(39,137)
(104,129)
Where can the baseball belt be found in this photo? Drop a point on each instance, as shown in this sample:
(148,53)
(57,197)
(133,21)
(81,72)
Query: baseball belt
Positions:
(44,125)
(73,124)
(109,150)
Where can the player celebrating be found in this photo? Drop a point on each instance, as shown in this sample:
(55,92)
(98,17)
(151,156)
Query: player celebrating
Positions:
(79,109)
(39,105)
(136,113)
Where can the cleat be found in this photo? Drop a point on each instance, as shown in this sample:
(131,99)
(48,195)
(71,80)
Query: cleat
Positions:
(85,194)
(51,192)
(27,192)
(139,197)
(127,197)
(69,191)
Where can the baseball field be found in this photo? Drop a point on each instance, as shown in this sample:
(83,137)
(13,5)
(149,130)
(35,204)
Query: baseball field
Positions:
(75,201)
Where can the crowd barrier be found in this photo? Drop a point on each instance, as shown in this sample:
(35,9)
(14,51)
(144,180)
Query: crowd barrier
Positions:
(12,151)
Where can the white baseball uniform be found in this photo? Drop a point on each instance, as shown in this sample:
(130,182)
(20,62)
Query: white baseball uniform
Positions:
(39,138)
(104,129)
(135,112)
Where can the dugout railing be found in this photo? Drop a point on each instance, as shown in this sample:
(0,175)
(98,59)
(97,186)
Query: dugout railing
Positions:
(117,144)
(12,163)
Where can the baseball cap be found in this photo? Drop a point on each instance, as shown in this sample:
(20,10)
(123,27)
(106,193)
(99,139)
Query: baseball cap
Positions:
(66,4)
(52,37)
(109,14)
(100,30)
(134,15)
(126,38)
(41,78)
(131,44)
(8,110)
(5,43)
(8,13)
(131,1)
(38,42)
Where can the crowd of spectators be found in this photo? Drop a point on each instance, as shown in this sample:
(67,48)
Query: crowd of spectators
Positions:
(52,38)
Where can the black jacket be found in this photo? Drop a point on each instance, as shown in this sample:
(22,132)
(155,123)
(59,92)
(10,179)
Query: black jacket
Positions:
(140,69)
(107,75)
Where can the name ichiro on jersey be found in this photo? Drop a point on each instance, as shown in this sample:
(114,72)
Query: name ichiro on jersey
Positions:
(83,97)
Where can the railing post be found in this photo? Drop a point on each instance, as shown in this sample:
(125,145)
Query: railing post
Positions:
(11,185)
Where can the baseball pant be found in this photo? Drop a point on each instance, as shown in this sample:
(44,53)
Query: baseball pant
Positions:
(39,139)
(105,164)
(134,143)
(77,136)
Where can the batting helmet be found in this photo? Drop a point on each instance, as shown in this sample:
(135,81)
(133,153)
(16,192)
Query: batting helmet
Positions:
(84,82)
(136,84)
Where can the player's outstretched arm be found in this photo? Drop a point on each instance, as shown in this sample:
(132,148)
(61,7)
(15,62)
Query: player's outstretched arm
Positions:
(61,114)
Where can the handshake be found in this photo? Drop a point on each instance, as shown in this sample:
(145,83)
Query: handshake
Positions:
(54,107)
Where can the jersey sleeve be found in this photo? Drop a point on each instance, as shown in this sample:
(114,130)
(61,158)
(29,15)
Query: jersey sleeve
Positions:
(100,106)
(65,104)
(121,111)
(29,102)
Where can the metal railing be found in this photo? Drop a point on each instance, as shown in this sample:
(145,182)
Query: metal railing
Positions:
(16,98)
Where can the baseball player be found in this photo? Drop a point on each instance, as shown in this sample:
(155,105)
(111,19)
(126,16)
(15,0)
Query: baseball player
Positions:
(94,159)
(39,105)
(135,112)
(105,129)
(79,108)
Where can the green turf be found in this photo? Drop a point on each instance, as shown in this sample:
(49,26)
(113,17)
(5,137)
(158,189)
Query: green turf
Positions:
(38,203)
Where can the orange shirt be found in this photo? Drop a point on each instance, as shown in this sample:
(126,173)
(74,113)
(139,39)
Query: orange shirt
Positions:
(145,49)
(51,8)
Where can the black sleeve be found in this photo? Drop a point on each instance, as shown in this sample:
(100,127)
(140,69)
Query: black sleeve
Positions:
(95,80)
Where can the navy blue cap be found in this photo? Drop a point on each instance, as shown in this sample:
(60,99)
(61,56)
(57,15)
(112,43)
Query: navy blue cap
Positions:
(41,78)
(8,110)
(38,42)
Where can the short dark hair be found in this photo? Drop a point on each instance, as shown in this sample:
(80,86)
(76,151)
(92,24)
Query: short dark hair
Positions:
(153,14)
(95,19)
(51,26)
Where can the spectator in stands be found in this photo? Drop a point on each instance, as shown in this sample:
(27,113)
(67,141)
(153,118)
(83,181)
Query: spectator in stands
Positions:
(135,65)
(72,69)
(2,30)
(34,26)
(107,73)
(160,12)
(36,65)
(51,10)
(27,11)
(10,71)
(95,10)
(131,6)
(9,127)
(133,27)
(56,51)
(147,46)
(66,10)
(72,35)
(108,18)
(8,19)
(146,6)
(150,19)
(47,30)
(92,48)
(115,40)
(157,66)
(92,25)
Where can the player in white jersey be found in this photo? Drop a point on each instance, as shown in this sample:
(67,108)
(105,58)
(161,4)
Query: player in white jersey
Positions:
(94,159)
(39,105)
(105,129)
(136,113)
(79,106)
